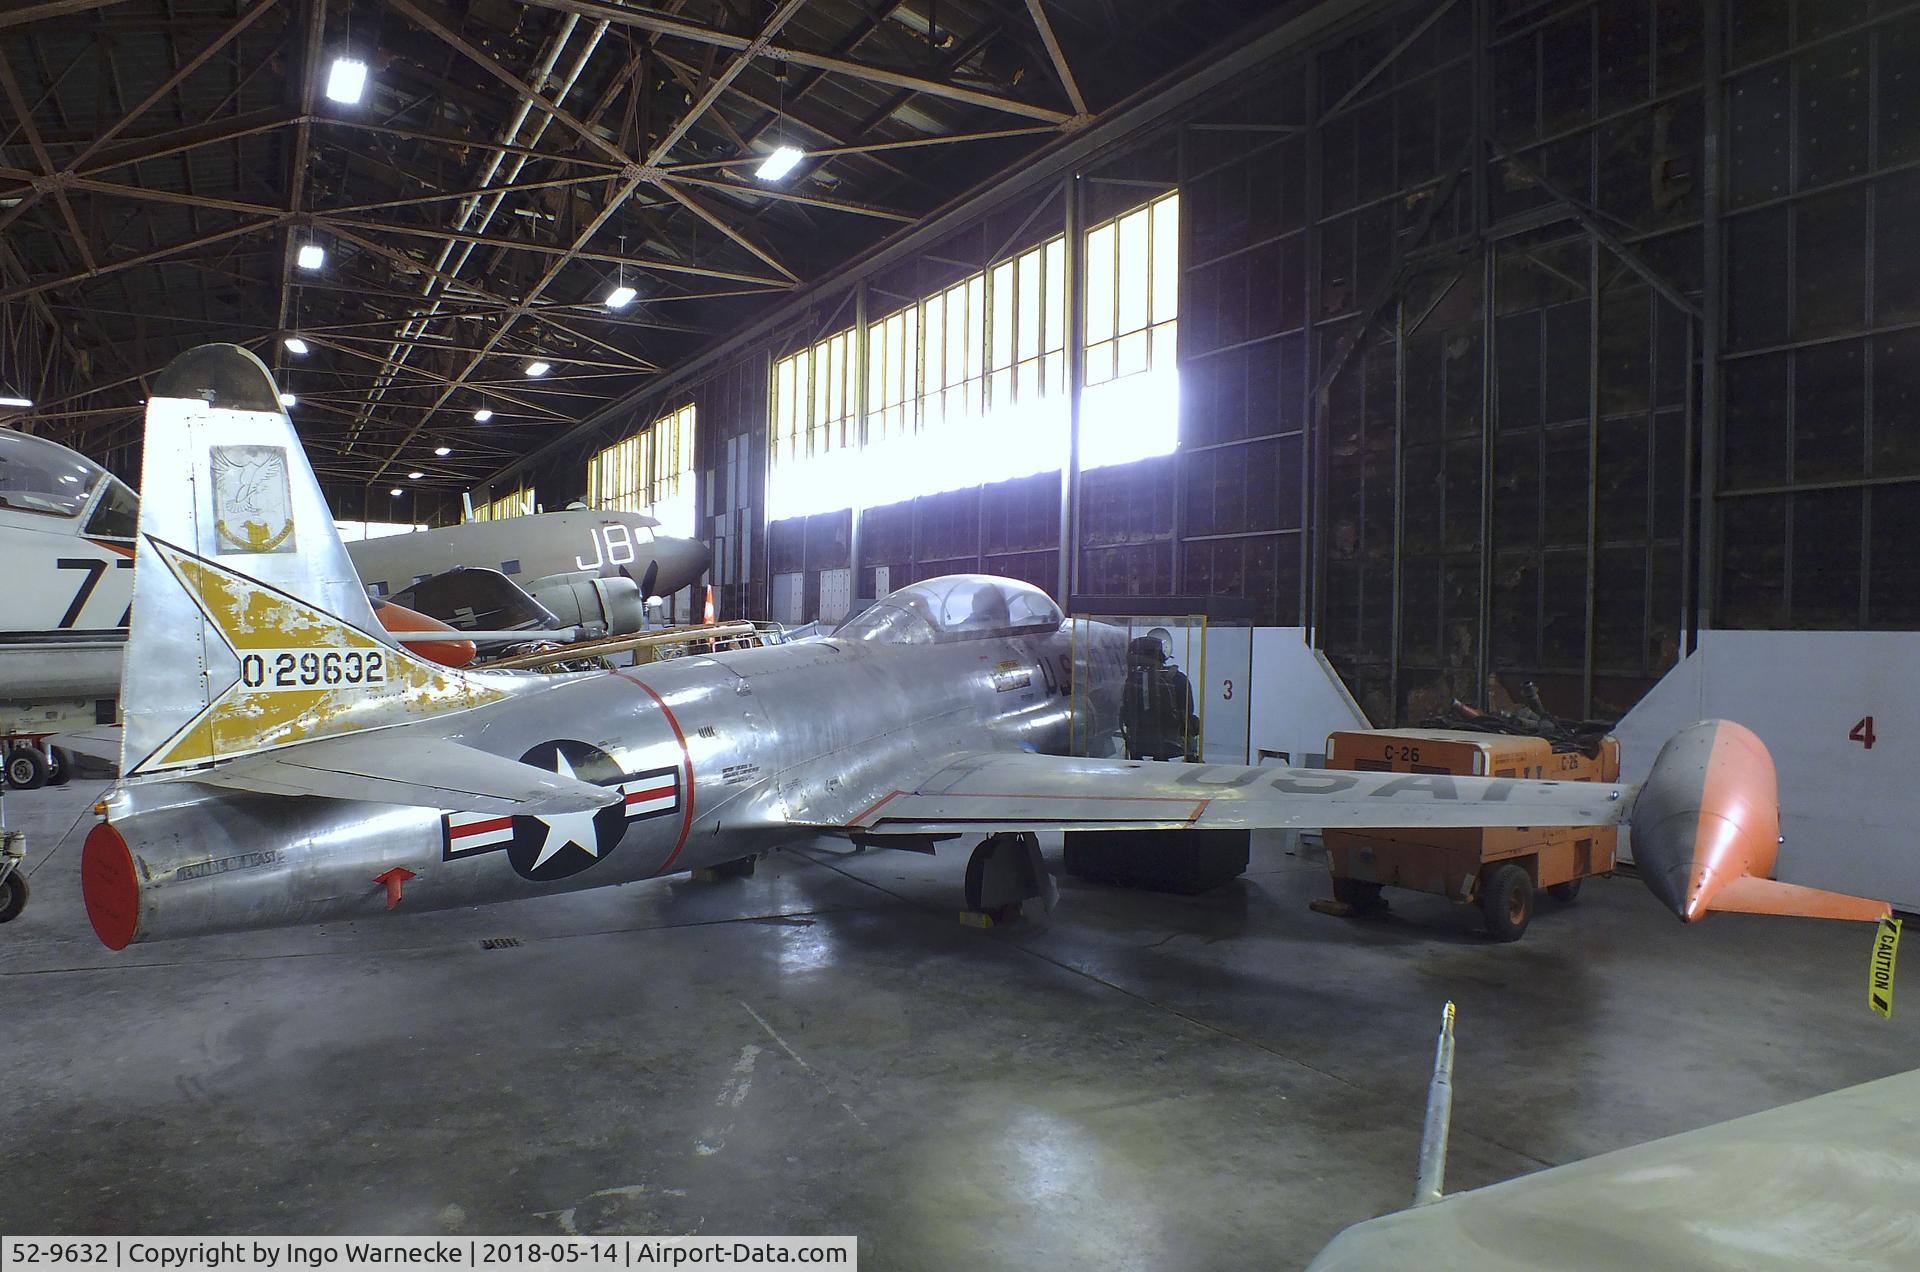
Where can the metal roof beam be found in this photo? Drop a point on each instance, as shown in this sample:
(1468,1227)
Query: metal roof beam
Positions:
(52,9)
(546,249)
(1058,58)
(663,25)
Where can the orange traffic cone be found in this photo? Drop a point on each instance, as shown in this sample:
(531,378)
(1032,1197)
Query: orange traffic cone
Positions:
(709,616)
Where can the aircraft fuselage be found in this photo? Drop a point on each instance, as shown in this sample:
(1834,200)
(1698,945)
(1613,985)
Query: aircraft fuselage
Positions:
(713,754)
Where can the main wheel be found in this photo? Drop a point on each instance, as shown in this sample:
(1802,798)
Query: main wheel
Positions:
(1506,902)
(1565,893)
(59,766)
(27,768)
(13,896)
(738,868)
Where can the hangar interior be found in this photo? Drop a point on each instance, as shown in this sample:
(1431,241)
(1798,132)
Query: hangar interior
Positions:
(1509,352)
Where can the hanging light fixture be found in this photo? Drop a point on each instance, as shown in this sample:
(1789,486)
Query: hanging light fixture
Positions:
(784,157)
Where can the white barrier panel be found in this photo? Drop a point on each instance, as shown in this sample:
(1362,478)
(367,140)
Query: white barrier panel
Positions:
(497,1254)
(1298,699)
(1841,713)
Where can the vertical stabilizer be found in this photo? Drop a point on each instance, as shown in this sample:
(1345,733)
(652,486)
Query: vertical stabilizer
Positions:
(250,629)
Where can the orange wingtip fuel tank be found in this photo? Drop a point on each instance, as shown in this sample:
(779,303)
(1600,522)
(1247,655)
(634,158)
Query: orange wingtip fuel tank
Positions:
(1706,828)
(398,618)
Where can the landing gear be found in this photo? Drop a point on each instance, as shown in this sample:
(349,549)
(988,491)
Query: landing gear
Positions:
(13,876)
(1005,870)
(13,895)
(28,767)
(60,771)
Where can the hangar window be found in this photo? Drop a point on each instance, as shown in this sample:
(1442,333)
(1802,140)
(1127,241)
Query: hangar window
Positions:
(650,472)
(813,446)
(1130,407)
(519,503)
(968,385)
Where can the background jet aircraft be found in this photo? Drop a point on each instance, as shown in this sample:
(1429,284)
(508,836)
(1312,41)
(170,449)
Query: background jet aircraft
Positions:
(943,709)
(595,569)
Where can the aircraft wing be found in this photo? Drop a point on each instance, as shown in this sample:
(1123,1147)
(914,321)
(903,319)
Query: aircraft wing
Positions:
(1006,791)
(397,767)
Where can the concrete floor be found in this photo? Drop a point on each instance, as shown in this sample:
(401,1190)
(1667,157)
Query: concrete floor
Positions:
(1140,1081)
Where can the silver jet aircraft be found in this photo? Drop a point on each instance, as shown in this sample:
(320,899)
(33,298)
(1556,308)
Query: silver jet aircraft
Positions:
(285,762)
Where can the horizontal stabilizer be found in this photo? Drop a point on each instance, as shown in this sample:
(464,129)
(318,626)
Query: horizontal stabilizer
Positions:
(439,774)
(1748,895)
(101,741)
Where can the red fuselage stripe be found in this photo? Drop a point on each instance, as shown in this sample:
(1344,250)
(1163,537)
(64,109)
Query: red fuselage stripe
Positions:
(686,821)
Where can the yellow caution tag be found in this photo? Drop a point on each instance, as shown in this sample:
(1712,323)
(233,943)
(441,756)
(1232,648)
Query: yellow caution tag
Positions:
(1886,946)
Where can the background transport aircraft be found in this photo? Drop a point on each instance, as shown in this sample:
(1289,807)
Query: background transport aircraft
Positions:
(317,771)
(594,569)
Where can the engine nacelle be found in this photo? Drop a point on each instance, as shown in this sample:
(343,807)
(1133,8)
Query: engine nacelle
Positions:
(615,606)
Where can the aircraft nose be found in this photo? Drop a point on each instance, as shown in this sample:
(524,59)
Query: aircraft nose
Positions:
(682,562)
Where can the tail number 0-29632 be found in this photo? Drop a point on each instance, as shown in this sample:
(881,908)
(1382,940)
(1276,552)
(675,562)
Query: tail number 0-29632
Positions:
(272,669)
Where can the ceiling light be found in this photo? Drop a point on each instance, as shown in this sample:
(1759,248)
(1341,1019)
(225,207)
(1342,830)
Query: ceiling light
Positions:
(416,475)
(620,297)
(15,401)
(296,346)
(443,451)
(779,163)
(482,415)
(312,256)
(347,80)
(287,399)
(537,368)
(396,492)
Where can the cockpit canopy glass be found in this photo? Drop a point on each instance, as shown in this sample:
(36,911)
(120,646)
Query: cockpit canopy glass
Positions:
(117,515)
(41,476)
(954,607)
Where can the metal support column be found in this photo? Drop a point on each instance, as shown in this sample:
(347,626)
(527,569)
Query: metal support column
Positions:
(1593,477)
(1313,580)
(861,353)
(1713,310)
(1478,158)
(1076,376)
(1396,626)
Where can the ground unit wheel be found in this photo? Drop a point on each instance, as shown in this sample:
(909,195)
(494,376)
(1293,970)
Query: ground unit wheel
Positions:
(1506,902)
(1358,893)
(27,768)
(1564,893)
(13,895)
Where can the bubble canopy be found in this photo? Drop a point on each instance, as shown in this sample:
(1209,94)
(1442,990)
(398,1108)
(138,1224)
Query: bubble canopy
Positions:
(954,607)
(44,477)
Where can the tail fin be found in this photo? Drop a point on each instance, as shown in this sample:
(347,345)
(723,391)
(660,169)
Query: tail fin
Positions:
(250,629)
(1748,895)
